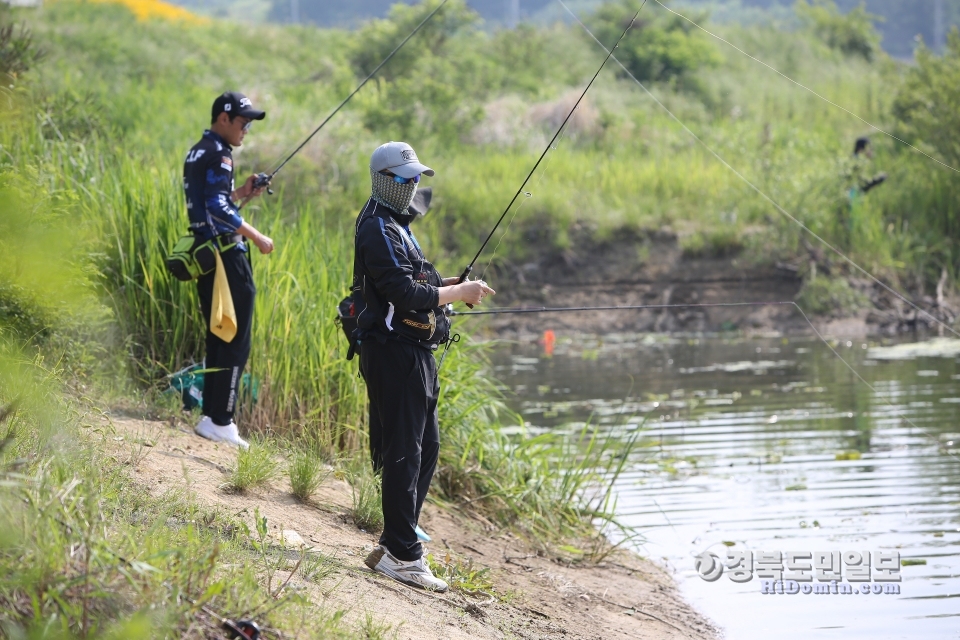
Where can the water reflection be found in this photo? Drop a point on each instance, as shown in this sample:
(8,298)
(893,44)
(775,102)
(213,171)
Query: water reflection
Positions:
(774,445)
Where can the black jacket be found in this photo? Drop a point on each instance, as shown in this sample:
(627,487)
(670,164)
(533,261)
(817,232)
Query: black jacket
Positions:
(399,287)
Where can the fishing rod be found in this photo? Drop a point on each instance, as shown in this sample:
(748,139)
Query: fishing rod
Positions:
(466,272)
(469,267)
(636,307)
(263,179)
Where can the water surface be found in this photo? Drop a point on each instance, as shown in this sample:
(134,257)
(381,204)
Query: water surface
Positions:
(773,445)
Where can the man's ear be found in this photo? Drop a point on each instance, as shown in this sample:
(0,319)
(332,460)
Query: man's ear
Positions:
(223,119)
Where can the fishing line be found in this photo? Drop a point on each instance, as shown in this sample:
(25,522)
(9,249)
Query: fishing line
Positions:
(769,199)
(469,267)
(804,87)
(264,179)
(529,196)
(703,305)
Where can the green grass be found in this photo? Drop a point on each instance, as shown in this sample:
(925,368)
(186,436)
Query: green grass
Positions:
(86,551)
(255,467)
(307,471)
(460,575)
(365,489)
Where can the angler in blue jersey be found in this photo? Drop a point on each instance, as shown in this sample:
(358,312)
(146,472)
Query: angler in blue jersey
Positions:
(211,206)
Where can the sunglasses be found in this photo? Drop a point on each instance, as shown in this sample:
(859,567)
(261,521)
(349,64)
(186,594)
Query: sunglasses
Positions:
(399,180)
(247,126)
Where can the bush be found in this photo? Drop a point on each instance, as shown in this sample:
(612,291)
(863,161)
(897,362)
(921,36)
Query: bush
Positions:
(852,34)
(306,473)
(417,92)
(830,297)
(926,105)
(366,487)
(663,47)
(714,243)
(256,467)
(18,53)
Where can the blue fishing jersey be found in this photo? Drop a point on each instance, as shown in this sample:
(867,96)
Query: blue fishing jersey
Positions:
(207,183)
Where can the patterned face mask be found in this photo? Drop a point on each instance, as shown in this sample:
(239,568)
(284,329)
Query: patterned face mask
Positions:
(392,194)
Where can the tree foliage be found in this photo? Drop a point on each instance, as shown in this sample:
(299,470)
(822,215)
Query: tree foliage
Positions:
(418,90)
(926,105)
(661,46)
(852,34)
(377,38)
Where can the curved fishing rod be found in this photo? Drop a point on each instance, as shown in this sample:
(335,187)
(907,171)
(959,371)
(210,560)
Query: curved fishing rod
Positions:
(263,179)
(469,268)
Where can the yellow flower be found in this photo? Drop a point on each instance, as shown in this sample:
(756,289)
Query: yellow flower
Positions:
(147,9)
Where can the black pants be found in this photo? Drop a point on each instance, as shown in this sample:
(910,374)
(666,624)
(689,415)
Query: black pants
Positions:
(220,387)
(402,386)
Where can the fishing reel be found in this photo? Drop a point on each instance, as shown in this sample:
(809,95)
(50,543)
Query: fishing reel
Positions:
(242,629)
(263,180)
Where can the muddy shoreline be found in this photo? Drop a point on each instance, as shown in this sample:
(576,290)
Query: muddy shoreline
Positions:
(635,269)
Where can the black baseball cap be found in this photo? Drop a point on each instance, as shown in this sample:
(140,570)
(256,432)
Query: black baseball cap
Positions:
(236,104)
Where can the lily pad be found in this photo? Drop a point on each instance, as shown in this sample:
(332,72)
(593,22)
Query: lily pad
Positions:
(848,455)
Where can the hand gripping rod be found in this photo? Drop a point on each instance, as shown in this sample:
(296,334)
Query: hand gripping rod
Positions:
(263,179)
(469,268)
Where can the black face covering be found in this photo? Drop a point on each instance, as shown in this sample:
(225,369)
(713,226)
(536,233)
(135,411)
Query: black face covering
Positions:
(391,193)
(421,201)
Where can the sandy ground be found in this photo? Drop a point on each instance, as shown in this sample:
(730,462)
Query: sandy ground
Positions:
(623,597)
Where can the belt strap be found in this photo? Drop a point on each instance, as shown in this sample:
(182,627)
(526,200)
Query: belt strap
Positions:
(228,241)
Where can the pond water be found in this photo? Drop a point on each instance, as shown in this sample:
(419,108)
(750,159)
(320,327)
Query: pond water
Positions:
(773,445)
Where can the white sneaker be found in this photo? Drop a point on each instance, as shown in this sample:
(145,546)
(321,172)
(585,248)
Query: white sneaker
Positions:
(415,573)
(229,434)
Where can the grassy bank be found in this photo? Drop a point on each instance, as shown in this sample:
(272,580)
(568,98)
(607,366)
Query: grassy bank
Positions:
(92,137)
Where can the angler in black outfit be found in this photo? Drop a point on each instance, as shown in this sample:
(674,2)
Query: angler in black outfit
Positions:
(208,184)
(399,330)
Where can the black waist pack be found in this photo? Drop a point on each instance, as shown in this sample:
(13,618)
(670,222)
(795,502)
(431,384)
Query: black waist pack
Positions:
(192,258)
(429,327)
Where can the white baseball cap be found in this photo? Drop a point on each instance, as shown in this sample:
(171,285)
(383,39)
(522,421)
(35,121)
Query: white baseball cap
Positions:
(399,158)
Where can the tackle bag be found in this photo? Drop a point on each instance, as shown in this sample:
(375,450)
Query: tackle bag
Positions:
(192,258)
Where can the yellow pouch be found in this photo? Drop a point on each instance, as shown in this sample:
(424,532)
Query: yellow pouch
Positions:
(223,317)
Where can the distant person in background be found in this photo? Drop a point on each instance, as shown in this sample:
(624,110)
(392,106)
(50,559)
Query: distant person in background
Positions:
(858,176)
(213,212)
(857,181)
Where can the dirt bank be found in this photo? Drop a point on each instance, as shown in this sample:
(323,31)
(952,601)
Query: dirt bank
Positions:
(634,268)
(623,597)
